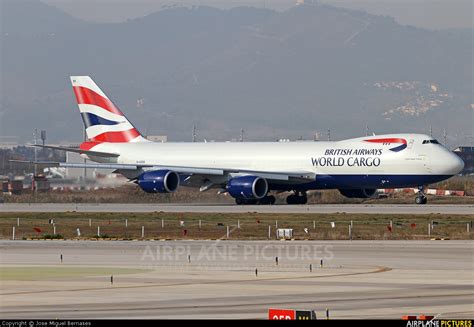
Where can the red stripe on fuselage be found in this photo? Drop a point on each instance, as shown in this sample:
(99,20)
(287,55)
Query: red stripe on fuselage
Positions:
(87,96)
(117,137)
(388,140)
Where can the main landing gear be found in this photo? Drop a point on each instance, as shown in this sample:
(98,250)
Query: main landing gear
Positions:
(269,199)
(421,196)
(297,198)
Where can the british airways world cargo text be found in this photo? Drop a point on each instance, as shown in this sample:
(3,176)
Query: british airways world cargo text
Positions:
(348,157)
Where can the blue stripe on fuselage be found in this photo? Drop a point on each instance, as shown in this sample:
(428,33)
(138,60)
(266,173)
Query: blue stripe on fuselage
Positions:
(92,120)
(362,181)
(398,148)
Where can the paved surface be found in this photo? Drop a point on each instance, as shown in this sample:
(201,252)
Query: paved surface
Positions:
(324,208)
(360,279)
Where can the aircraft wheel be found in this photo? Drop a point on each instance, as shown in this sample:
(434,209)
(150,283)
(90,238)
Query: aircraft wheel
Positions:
(267,200)
(291,199)
(295,199)
(421,199)
(263,200)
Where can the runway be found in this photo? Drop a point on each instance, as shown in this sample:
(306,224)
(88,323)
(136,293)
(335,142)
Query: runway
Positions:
(218,208)
(206,279)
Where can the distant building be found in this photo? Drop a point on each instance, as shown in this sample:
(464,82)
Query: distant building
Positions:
(104,177)
(466,153)
(8,142)
(158,138)
(8,146)
(77,174)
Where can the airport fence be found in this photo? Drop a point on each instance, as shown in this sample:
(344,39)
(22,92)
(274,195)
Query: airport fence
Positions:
(250,226)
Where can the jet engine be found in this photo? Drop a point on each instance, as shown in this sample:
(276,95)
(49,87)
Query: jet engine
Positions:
(159,181)
(247,187)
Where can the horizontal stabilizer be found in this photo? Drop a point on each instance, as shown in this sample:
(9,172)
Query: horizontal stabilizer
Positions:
(78,150)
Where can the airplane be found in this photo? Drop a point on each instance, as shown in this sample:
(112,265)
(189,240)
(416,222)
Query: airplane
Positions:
(249,171)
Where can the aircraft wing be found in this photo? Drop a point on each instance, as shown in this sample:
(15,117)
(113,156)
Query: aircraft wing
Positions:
(294,176)
(182,170)
(79,165)
(304,176)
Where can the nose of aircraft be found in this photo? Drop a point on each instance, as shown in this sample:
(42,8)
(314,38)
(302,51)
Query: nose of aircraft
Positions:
(455,164)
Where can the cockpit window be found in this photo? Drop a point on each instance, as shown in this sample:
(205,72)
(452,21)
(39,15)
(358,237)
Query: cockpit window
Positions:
(430,141)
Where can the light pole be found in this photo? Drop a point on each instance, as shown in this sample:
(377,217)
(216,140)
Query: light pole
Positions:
(35,135)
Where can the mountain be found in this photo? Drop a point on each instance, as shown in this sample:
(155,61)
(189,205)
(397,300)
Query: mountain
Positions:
(276,74)
(31,17)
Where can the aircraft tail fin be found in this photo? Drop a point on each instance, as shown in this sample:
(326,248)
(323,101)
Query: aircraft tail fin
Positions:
(103,120)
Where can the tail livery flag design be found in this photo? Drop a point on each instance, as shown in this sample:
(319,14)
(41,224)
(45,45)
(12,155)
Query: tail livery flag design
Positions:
(103,120)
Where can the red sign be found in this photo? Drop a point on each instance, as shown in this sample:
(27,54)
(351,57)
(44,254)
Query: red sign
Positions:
(281,314)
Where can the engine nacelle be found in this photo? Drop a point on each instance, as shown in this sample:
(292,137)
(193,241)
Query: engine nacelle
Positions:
(360,193)
(247,187)
(159,181)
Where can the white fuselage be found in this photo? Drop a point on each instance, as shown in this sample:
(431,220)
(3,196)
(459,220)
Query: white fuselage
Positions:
(347,158)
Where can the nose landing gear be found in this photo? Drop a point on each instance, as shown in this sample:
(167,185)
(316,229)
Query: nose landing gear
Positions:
(421,196)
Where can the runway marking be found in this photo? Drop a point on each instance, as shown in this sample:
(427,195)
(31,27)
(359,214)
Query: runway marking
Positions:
(373,208)
(379,269)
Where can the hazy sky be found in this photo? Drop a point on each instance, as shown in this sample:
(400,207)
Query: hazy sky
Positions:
(433,14)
